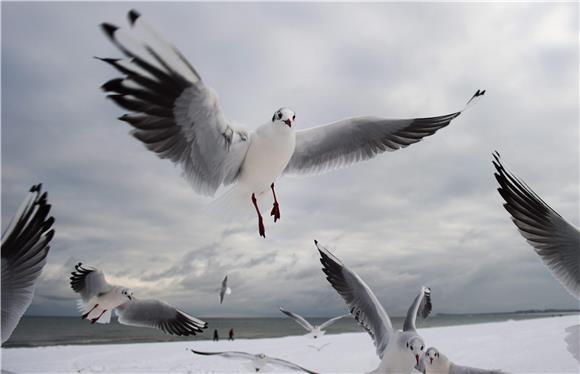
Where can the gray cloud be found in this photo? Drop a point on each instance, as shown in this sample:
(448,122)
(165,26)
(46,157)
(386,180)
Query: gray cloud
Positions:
(424,215)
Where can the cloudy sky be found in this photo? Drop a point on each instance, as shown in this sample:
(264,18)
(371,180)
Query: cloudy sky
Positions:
(428,214)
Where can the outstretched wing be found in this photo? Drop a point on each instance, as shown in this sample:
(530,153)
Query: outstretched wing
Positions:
(351,140)
(332,321)
(421,307)
(160,315)
(224,289)
(173,112)
(25,245)
(298,319)
(555,240)
(288,364)
(227,354)
(88,282)
(361,301)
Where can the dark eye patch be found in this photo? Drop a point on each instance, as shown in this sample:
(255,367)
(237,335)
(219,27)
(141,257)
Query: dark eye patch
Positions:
(279,115)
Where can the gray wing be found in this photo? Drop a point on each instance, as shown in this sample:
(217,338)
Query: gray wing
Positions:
(555,240)
(457,369)
(298,319)
(25,245)
(360,300)
(345,142)
(160,315)
(288,364)
(173,112)
(421,307)
(332,321)
(223,289)
(227,354)
(88,282)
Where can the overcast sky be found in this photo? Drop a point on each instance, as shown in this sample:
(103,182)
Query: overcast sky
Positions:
(425,215)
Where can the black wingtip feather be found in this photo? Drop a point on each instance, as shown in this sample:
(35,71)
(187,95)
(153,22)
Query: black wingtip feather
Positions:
(109,29)
(133,15)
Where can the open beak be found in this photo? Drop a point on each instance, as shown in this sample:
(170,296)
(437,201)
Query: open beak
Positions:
(288,122)
(430,360)
(417,358)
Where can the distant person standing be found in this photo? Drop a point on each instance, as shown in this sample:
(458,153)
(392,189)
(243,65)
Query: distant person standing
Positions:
(231,334)
(216,337)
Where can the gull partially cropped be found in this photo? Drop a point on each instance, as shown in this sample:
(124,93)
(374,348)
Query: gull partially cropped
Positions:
(25,245)
(434,362)
(313,330)
(259,360)
(99,299)
(399,351)
(176,115)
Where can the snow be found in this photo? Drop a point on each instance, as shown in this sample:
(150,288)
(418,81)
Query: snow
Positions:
(524,346)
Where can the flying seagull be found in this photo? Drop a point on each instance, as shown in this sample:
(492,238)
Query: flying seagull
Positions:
(399,351)
(554,239)
(177,116)
(319,348)
(259,361)
(25,245)
(435,362)
(314,331)
(224,289)
(99,298)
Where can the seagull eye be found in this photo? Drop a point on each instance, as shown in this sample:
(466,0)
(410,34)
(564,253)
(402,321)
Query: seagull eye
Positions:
(407,345)
(279,115)
(294,117)
(422,347)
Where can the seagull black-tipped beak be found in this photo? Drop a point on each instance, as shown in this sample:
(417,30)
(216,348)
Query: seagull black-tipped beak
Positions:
(288,122)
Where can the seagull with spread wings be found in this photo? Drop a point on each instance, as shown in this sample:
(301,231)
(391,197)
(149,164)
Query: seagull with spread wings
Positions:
(399,351)
(25,245)
(314,331)
(224,289)
(259,360)
(175,114)
(99,299)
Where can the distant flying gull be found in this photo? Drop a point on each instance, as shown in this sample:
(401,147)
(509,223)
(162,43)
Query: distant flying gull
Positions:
(314,331)
(224,289)
(25,245)
(319,348)
(399,351)
(177,116)
(99,298)
(259,360)
(554,239)
(435,362)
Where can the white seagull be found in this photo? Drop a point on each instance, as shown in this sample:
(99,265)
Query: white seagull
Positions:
(435,362)
(224,289)
(314,331)
(399,351)
(177,116)
(99,298)
(25,245)
(259,361)
(554,239)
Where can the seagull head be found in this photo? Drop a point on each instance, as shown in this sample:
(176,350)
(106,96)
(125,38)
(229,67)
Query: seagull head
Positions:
(414,346)
(284,116)
(127,293)
(432,354)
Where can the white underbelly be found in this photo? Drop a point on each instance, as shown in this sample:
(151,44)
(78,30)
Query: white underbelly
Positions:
(266,159)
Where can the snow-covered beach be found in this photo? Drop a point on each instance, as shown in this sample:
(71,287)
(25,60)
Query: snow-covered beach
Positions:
(525,346)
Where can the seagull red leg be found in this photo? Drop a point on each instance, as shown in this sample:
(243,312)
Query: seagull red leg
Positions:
(100,315)
(276,209)
(260,220)
(84,316)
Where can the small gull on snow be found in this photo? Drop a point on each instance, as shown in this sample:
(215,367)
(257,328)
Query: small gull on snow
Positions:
(435,362)
(399,351)
(25,245)
(177,116)
(99,298)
